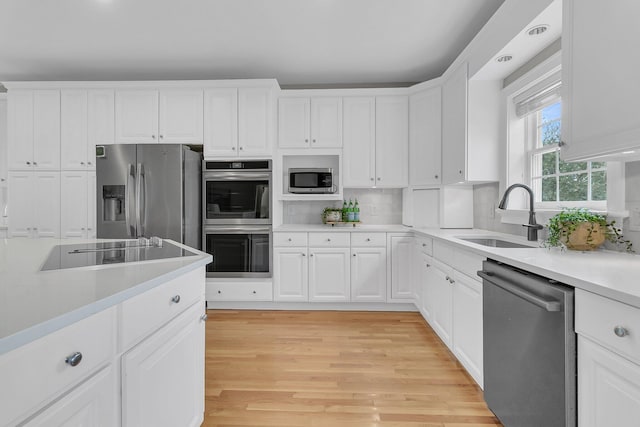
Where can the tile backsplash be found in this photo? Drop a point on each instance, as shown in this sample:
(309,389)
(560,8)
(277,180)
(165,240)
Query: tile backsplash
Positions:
(377,206)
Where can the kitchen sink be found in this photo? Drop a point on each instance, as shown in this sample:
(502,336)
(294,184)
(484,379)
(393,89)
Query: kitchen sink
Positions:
(493,242)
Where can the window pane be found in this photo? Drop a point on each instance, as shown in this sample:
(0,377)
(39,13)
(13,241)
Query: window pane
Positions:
(551,113)
(572,167)
(549,189)
(598,165)
(573,187)
(551,133)
(599,185)
(549,163)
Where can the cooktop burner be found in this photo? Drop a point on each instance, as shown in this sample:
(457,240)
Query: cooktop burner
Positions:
(116,252)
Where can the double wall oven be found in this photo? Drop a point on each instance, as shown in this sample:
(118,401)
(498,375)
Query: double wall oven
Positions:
(236,216)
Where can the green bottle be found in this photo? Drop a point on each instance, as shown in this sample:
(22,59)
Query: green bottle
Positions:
(345,212)
(350,212)
(356,212)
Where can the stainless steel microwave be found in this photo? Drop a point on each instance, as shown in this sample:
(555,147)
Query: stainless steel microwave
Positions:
(311,180)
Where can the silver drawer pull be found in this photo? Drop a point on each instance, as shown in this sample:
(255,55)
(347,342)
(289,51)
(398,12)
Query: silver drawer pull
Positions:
(328,240)
(176,299)
(204,317)
(424,245)
(368,239)
(620,331)
(74,359)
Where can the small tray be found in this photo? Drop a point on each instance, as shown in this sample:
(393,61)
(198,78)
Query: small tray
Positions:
(342,223)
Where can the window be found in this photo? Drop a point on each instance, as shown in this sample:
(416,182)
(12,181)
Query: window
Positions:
(555,182)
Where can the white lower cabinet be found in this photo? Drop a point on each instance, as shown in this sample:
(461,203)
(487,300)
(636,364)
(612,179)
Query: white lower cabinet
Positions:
(290,274)
(369,274)
(93,403)
(467,324)
(34,203)
(78,201)
(163,377)
(440,290)
(329,274)
(401,247)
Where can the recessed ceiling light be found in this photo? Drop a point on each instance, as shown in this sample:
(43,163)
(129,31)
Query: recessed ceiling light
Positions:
(504,58)
(537,30)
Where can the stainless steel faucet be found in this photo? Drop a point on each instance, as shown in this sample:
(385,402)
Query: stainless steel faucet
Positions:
(533,227)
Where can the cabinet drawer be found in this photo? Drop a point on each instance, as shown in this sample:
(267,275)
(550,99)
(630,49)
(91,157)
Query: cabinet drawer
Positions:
(329,240)
(145,313)
(289,239)
(425,244)
(468,263)
(597,318)
(363,240)
(443,252)
(245,291)
(37,372)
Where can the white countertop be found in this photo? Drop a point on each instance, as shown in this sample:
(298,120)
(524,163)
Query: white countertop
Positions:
(611,274)
(35,303)
(359,228)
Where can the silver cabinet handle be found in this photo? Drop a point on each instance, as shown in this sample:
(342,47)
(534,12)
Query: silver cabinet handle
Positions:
(35,163)
(436,177)
(82,163)
(314,141)
(241,148)
(289,239)
(621,331)
(306,140)
(446,278)
(82,229)
(161,136)
(28,163)
(219,292)
(254,292)
(328,240)
(368,239)
(204,317)
(311,255)
(304,254)
(35,228)
(378,178)
(233,148)
(354,254)
(153,137)
(74,359)
(424,245)
(89,163)
(176,299)
(452,281)
(371,179)
(428,265)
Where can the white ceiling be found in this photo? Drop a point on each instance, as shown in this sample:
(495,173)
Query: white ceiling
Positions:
(298,42)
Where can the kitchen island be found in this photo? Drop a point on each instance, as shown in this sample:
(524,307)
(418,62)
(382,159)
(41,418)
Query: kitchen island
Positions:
(108,345)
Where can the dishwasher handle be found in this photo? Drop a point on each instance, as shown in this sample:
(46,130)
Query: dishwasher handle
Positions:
(549,305)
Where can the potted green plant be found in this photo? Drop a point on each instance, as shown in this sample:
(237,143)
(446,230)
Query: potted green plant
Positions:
(582,230)
(331,214)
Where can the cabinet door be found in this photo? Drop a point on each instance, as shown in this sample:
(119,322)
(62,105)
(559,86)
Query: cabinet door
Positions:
(600,118)
(401,255)
(392,141)
(369,274)
(21,204)
(290,274)
(359,141)
(220,122)
(136,116)
(425,137)
(454,126)
(101,119)
(294,120)
(46,195)
(93,403)
(74,152)
(426,278)
(163,376)
(329,275)
(326,122)
(255,118)
(181,115)
(608,387)
(467,324)
(441,294)
(46,129)
(92,203)
(73,204)
(20,130)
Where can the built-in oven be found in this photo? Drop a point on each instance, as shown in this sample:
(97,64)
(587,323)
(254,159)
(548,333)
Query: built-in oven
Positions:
(236,192)
(238,251)
(236,203)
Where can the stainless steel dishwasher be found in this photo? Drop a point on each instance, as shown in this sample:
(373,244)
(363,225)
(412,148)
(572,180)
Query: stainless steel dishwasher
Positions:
(529,348)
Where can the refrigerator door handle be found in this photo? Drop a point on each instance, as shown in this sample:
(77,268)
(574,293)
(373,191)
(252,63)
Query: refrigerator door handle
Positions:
(140,200)
(131,177)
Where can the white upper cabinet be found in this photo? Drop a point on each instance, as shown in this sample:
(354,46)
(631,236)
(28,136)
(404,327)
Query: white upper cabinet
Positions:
(34,130)
(359,141)
(221,122)
(76,153)
(392,141)
(425,137)
(601,84)
(168,116)
(310,122)
(101,117)
(238,122)
(470,128)
(376,141)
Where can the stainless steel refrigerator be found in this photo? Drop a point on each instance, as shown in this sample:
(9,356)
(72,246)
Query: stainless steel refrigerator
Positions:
(149,190)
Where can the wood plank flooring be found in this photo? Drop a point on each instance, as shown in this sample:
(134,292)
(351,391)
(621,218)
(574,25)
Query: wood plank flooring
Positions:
(334,369)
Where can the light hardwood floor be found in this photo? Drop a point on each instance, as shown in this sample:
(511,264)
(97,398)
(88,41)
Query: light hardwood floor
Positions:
(333,369)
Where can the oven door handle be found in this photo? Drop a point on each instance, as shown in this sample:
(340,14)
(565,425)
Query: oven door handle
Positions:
(549,305)
(236,229)
(236,176)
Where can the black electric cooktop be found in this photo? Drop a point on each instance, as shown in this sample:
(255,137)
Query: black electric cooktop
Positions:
(106,253)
